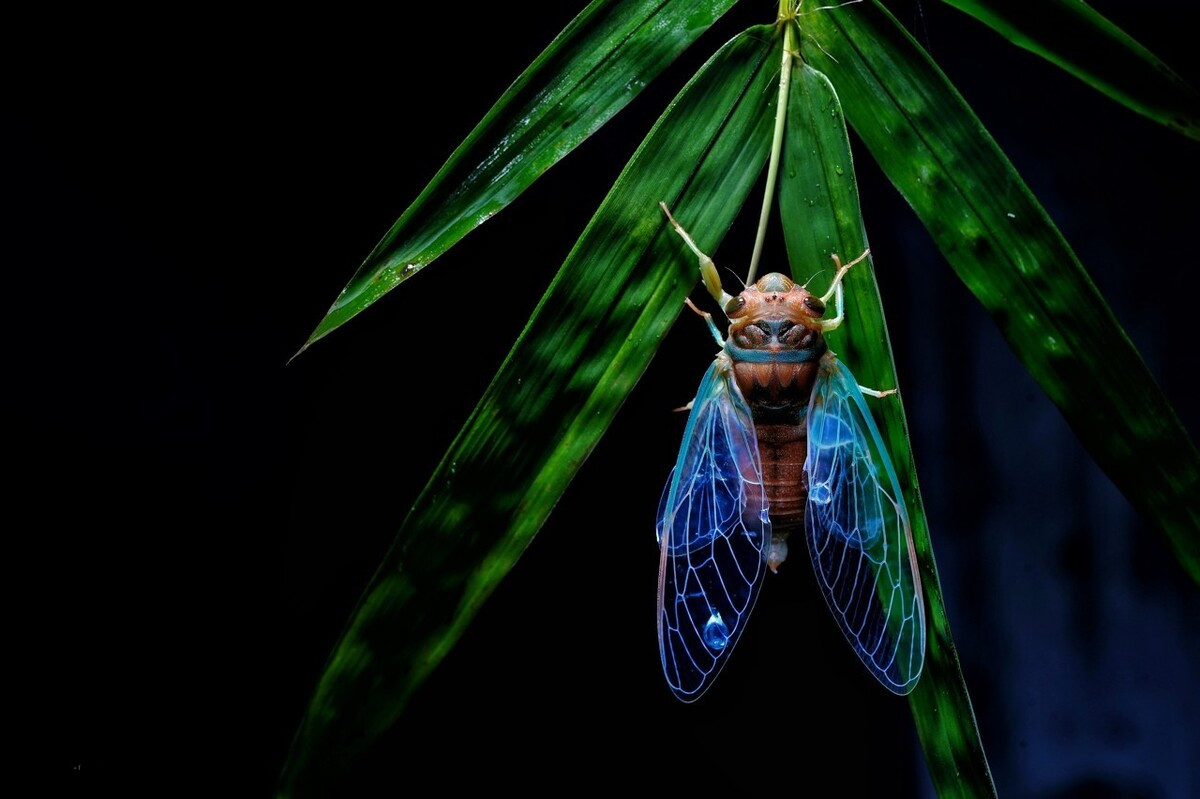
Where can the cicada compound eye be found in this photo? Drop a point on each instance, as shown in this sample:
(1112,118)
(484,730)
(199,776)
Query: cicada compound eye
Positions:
(814,304)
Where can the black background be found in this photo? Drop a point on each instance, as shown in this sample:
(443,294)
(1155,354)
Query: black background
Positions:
(194,518)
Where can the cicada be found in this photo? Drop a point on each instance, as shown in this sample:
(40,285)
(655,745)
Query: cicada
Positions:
(780,441)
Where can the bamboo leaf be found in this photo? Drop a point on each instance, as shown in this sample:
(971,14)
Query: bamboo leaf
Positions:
(1006,250)
(590,339)
(1097,52)
(600,62)
(818,200)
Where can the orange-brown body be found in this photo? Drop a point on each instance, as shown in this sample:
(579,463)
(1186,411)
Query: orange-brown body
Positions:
(775,342)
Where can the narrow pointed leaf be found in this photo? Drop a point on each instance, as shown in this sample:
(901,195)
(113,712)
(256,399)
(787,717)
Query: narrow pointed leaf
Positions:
(1006,250)
(600,62)
(590,339)
(818,200)
(1097,52)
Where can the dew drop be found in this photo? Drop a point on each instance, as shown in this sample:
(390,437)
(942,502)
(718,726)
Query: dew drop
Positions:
(838,169)
(819,493)
(716,634)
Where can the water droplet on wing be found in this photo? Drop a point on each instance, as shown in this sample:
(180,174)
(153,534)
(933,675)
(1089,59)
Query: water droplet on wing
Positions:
(716,634)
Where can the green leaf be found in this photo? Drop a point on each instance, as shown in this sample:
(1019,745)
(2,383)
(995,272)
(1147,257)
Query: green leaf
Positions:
(1006,250)
(590,339)
(600,62)
(818,200)
(1097,52)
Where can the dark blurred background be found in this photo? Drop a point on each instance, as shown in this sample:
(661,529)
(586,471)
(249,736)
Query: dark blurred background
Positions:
(195,517)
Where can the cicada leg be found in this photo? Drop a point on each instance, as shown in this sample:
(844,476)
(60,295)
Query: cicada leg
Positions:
(840,303)
(712,326)
(836,289)
(708,269)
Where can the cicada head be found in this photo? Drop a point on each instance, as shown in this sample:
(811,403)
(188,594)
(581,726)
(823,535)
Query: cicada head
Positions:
(776,314)
(775,341)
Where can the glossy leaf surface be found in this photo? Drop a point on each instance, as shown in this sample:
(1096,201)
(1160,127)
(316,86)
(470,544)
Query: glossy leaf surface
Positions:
(520,448)
(1004,247)
(818,201)
(590,71)
(588,342)
(1097,52)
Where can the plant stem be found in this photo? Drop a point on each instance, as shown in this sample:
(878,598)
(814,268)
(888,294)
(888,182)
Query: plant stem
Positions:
(785,82)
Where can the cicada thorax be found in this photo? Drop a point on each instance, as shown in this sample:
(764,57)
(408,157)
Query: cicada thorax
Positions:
(775,343)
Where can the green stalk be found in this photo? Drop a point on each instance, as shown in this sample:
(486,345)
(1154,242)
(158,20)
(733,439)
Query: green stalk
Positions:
(786,16)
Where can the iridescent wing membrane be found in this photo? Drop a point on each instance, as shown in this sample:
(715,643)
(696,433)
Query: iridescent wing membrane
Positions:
(858,532)
(712,528)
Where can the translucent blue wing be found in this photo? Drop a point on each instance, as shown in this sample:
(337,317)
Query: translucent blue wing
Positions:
(712,530)
(858,532)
